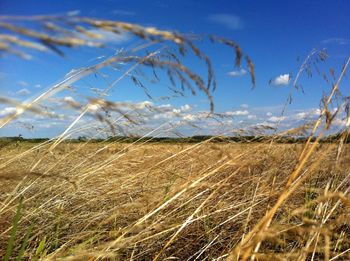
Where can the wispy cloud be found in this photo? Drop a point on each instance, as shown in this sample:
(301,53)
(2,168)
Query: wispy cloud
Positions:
(123,12)
(282,79)
(186,107)
(339,41)
(306,114)
(167,111)
(230,21)
(276,118)
(236,73)
(22,83)
(252,117)
(69,99)
(7,111)
(237,113)
(184,118)
(23,92)
(73,12)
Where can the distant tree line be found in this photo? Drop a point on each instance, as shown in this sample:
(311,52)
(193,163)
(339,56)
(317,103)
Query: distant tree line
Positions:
(192,139)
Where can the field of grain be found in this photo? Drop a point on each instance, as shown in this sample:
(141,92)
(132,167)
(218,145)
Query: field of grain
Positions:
(159,201)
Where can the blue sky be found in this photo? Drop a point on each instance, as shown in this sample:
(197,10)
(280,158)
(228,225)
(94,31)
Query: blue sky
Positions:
(273,33)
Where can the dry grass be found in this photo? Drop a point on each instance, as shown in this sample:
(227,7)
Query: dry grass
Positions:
(200,200)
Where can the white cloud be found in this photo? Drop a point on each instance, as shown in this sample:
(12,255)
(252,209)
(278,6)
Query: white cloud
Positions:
(143,105)
(300,115)
(340,122)
(73,12)
(339,41)
(165,106)
(183,118)
(316,112)
(167,111)
(69,99)
(236,73)
(252,117)
(123,12)
(165,115)
(37,85)
(232,22)
(283,79)
(276,119)
(185,107)
(23,92)
(22,83)
(237,113)
(308,113)
(50,124)
(189,117)
(7,110)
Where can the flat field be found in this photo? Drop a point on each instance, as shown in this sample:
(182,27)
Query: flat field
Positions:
(200,201)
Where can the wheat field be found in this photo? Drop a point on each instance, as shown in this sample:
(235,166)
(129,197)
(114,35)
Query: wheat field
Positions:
(163,201)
